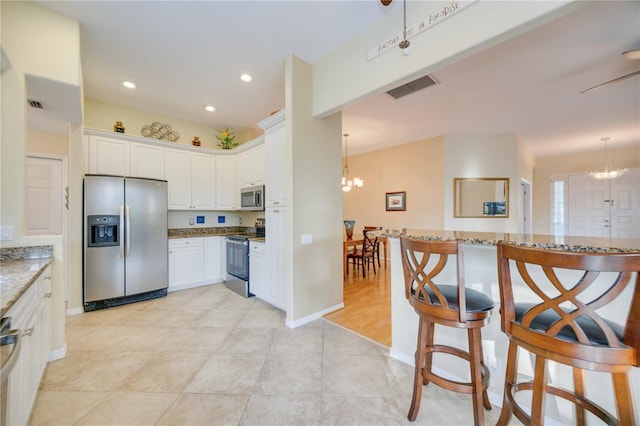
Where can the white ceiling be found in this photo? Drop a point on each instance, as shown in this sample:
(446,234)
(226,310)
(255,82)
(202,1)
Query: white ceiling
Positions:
(186,54)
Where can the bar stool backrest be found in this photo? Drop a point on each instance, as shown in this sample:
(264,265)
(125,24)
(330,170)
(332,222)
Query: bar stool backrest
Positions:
(566,291)
(420,289)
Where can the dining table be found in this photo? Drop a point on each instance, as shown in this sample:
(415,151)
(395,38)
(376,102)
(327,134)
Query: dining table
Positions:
(358,240)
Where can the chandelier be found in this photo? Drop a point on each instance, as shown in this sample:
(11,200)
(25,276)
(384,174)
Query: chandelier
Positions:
(347,183)
(606,173)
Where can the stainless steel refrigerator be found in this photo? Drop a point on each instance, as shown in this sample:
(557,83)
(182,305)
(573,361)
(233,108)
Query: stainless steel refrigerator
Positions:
(125,240)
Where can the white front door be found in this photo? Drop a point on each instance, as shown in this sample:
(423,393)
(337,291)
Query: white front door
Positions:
(588,210)
(625,205)
(605,207)
(43,196)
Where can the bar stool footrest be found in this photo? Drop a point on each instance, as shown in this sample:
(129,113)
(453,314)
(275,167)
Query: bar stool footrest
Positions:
(453,385)
(565,394)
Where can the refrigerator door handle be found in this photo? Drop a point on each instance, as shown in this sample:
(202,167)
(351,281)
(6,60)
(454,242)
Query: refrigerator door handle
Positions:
(121,230)
(128,234)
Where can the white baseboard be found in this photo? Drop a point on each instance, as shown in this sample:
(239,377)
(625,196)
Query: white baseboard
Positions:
(310,318)
(58,353)
(401,356)
(192,285)
(75,311)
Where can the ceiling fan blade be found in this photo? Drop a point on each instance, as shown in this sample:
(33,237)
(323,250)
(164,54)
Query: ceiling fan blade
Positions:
(615,80)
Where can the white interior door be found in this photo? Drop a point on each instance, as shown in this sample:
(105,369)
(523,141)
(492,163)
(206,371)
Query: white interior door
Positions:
(43,198)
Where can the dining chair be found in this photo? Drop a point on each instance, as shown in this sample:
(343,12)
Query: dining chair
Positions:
(554,315)
(364,255)
(450,305)
(376,249)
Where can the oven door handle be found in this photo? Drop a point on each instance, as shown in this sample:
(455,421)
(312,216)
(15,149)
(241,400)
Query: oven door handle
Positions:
(238,243)
(9,337)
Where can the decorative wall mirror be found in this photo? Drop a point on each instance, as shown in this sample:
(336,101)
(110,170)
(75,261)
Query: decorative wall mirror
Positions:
(481,197)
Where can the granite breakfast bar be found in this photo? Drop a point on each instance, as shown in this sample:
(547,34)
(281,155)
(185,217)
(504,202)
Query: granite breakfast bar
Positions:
(480,266)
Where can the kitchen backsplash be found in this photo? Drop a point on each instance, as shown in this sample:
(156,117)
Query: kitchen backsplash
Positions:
(212,219)
(211,231)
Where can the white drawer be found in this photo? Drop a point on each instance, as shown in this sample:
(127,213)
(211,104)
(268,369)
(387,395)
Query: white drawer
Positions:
(186,242)
(256,246)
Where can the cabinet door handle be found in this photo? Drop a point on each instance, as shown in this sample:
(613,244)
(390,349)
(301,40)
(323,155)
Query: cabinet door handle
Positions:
(47,295)
(48,278)
(28,331)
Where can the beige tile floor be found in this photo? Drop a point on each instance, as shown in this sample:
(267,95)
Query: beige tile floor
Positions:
(207,356)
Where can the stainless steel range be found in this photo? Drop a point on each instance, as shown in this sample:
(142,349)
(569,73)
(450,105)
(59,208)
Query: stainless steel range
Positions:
(238,273)
(238,264)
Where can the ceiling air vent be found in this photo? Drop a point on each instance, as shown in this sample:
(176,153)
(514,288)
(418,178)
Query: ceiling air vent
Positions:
(35,104)
(412,86)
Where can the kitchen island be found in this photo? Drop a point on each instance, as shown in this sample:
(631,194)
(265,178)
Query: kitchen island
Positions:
(481,274)
(20,267)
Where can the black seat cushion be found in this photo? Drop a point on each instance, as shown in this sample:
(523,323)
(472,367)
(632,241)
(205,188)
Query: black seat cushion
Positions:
(475,300)
(545,319)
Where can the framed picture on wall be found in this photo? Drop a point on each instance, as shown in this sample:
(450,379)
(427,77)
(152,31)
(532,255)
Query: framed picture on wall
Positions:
(396,201)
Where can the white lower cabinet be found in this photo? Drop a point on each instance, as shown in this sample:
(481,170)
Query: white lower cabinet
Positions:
(194,262)
(186,262)
(258,270)
(31,314)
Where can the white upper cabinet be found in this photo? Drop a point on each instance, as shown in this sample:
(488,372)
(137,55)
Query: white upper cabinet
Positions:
(277,161)
(191,180)
(226,189)
(203,181)
(146,161)
(198,179)
(108,156)
(178,175)
(250,167)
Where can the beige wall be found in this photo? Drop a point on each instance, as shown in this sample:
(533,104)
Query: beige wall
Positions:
(417,168)
(102,115)
(42,142)
(316,207)
(41,43)
(628,156)
(473,156)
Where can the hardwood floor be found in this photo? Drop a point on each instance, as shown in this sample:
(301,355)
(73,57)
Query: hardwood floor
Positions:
(367,305)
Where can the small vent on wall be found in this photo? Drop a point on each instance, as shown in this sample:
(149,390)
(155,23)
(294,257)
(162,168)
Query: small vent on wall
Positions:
(35,104)
(413,86)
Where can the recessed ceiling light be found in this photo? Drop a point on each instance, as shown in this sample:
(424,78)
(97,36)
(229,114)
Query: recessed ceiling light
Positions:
(246,78)
(129,84)
(209,108)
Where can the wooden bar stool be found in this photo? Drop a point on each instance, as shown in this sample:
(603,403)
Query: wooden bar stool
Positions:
(558,321)
(440,304)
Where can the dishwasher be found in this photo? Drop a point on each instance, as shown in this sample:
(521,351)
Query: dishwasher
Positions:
(9,352)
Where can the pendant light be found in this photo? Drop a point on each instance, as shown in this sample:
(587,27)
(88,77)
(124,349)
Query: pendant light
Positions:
(606,173)
(347,183)
(404,44)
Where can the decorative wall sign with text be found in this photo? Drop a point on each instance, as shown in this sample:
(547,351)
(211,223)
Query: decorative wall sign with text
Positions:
(423,24)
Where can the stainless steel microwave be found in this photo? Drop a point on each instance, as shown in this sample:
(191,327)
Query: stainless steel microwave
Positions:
(252,198)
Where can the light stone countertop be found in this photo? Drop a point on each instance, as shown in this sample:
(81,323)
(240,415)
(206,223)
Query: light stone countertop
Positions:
(551,242)
(210,232)
(16,276)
